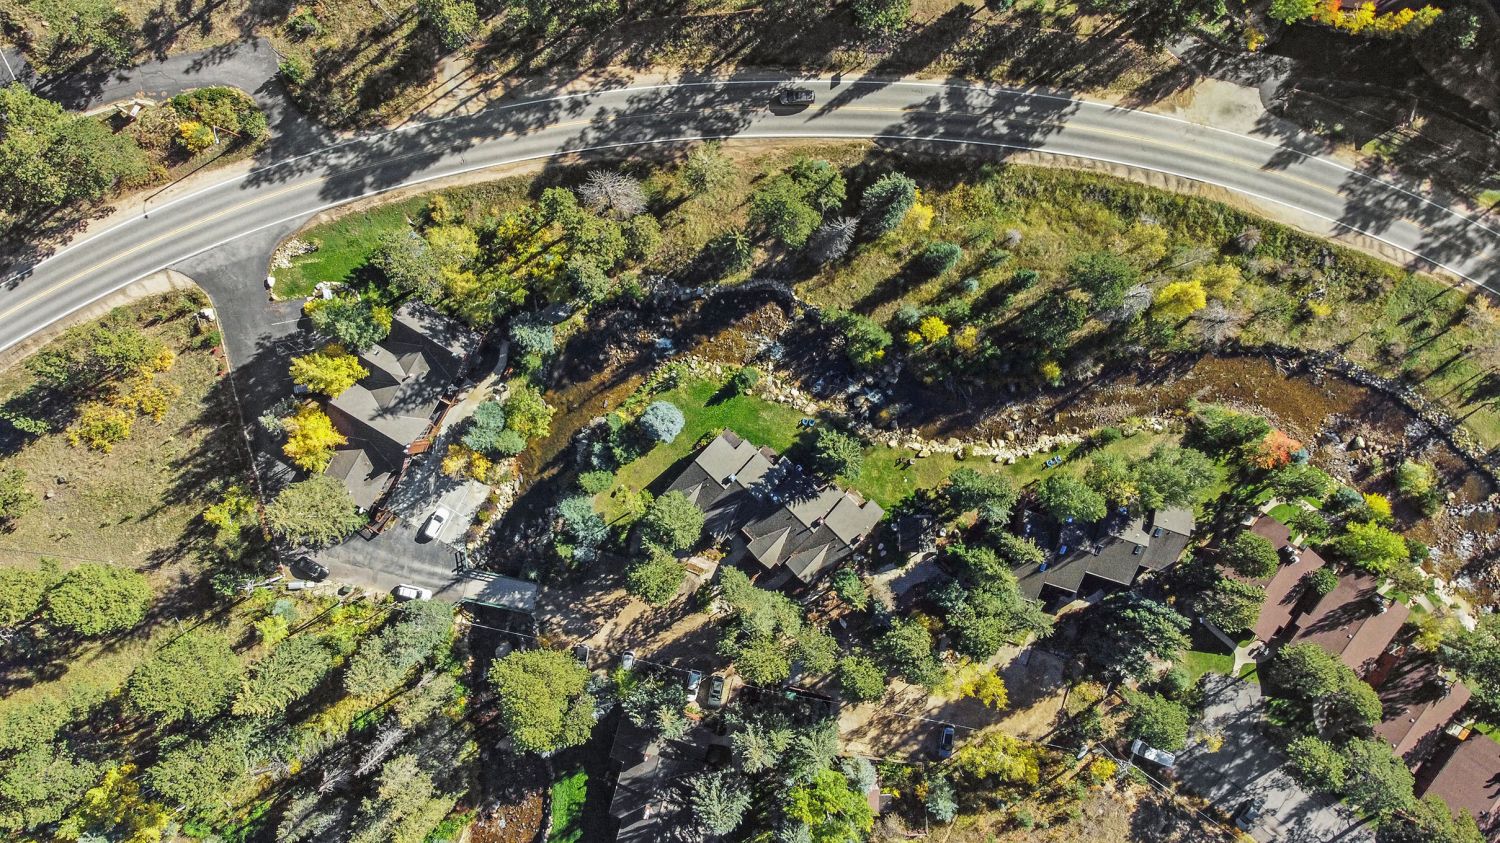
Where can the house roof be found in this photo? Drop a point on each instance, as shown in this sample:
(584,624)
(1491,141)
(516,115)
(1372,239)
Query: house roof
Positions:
(502,592)
(1175,519)
(1283,588)
(1353,622)
(1124,545)
(783,516)
(1466,775)
(647,789)
(393,405)
(722,481)
(1418,701)
(361,477)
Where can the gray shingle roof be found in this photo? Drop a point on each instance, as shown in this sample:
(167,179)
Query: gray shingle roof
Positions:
(392,406)
(1126,546)
(361,477)
(742,488)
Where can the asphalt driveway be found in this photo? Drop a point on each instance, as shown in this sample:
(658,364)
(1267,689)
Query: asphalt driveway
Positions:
(1247,766)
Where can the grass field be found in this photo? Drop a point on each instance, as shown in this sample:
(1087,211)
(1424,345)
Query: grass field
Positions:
(140,503)
(568,796)
(1207,654)
(344,246)
(706,410)
(1282,511)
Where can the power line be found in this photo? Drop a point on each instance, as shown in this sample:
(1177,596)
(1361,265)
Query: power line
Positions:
(1175,797)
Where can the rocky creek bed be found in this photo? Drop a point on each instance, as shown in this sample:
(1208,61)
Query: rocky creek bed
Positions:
(1354,421)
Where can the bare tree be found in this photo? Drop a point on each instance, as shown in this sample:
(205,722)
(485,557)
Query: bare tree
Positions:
(1220,324)
(386,740)
(1136,300)
(832,240)
(615,194)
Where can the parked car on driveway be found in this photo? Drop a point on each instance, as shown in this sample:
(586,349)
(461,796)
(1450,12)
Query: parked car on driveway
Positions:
(1247,813)
(945,742)
(306,567)
(412,592)
(718,689)
(435,522)
(627,661)
(581,652)
(694,679)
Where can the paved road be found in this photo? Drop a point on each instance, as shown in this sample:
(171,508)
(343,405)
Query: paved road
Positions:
(931,116)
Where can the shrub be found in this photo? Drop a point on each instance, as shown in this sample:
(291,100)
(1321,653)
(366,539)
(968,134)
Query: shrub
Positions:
(1104,276)
(655,579)
(1320,581)
(1158,721)
(1250,555)
(642,237)
(532,337)
(850,588)
(581,523)
(293,70)
(455,21)
(881,17)
(745,379)
(1068,498)
(860,678)
(832,240)
(662,421)
(885,203)
(594,482)
(865,342)
(485,427)
(673,521)
(96,599)
(727,254)
(939,257)
(1317,764)
(837,454)
(100,427)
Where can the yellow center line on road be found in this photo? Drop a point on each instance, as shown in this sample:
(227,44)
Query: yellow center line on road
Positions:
(610,118)
(136,248)
(1191,151)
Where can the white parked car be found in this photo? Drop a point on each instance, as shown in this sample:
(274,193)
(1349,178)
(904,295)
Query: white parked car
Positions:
(435,522)
(412,592)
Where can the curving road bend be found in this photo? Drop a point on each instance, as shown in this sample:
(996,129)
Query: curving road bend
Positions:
(277,197)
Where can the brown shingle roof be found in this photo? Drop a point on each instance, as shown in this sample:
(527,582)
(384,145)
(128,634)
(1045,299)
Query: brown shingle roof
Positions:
(1283,589)
(1466,775)
(1418,701)
(1352,622)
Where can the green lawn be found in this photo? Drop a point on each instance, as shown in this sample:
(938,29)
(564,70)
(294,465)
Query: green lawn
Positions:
(1282,511)
(568,795)
(1207,654)
(1199,662)
(344,245)
(882,479)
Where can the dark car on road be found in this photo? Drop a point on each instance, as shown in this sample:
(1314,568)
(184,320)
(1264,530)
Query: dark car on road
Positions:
(796,96)
(305,567)
(945,742)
